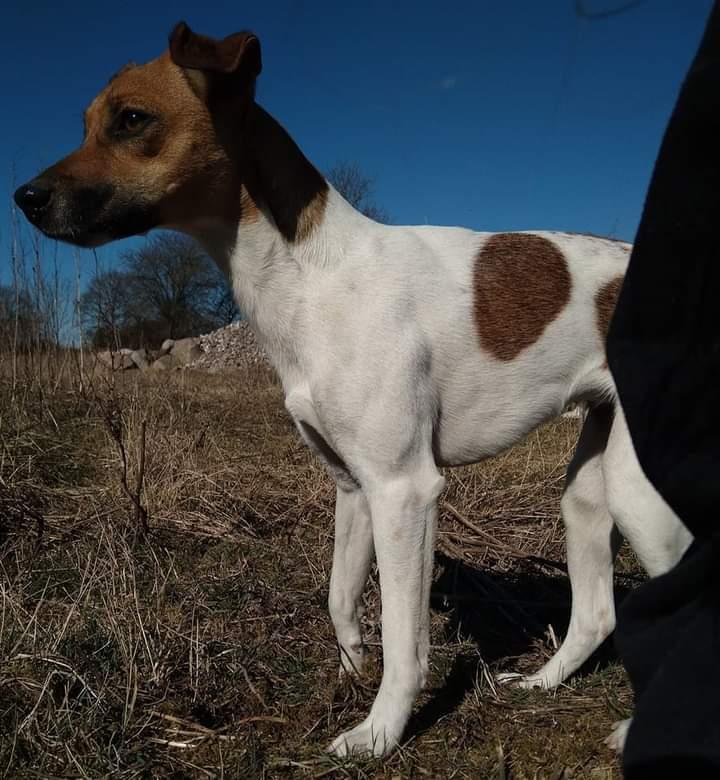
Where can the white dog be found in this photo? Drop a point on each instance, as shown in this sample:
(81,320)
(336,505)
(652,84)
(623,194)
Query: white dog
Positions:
(400,349)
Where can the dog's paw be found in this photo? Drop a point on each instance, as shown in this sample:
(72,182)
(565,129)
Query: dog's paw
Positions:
(616,739)
(367,739)
(517,680)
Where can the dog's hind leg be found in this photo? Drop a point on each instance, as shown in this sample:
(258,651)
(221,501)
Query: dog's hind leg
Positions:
(592,544)
(618,736)
(653,530)
(403,508)
(607,497)
(642,516)
(352,558)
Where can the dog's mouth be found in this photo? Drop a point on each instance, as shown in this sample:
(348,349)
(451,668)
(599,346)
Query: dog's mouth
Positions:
(82,215)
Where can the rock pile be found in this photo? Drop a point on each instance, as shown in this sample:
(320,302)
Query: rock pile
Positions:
(233,346)
(172,354)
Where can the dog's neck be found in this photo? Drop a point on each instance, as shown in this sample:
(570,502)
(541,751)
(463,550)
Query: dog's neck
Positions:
(290,222)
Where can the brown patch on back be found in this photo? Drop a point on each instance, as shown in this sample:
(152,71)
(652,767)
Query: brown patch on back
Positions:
(521,284)
(605,302)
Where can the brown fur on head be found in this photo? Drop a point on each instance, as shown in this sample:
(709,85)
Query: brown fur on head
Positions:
(162,145)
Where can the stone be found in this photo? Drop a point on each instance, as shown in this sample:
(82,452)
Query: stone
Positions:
(140,357)
(186,351)
(118,361)
(165,363)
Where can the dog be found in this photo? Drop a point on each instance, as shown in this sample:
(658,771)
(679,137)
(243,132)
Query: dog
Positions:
(400,349)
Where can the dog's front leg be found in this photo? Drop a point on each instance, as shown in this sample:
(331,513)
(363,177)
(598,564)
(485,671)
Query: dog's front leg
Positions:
(351,563)
(404,515)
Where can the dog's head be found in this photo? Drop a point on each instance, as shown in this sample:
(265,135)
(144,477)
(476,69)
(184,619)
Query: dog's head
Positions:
(162,145)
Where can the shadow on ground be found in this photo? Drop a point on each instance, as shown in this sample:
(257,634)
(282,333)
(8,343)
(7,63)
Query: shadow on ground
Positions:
(506,615)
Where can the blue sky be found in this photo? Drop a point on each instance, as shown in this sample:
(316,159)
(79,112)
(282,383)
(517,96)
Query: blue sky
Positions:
(493,115)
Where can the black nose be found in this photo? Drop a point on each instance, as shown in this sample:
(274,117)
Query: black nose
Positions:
(33,197)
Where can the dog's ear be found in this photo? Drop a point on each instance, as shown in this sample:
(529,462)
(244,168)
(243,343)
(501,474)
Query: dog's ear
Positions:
(235,58)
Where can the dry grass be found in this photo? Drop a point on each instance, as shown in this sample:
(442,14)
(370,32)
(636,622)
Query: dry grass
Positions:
(203,647)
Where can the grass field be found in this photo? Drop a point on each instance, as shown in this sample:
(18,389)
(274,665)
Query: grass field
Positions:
(202,647)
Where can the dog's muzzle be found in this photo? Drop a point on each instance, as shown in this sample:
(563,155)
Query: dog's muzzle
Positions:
(84,214)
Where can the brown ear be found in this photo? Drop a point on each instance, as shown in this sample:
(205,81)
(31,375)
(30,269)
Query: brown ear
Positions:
(237,54)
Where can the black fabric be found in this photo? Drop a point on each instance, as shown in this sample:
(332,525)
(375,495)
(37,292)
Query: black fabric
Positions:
(668,639)
(664,352)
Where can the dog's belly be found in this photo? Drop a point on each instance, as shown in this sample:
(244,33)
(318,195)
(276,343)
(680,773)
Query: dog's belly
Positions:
(480,419)
(460,442)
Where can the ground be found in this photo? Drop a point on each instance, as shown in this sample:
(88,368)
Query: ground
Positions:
(202,647)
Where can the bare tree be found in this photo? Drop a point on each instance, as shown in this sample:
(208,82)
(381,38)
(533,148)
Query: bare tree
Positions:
(168,288)
(104,308)
(22,324)
(37,297)
(357,189)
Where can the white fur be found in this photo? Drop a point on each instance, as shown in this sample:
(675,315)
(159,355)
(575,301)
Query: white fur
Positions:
(371,330)
(618,736)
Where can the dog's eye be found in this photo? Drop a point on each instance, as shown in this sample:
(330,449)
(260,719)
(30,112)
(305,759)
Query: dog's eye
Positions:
(130,121)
